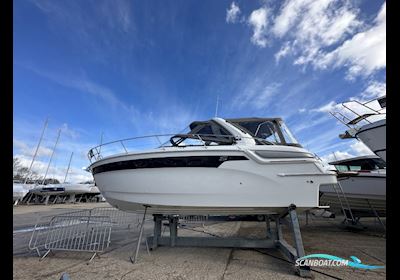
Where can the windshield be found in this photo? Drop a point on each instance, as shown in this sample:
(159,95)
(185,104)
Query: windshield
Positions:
(267,131)
(289,138)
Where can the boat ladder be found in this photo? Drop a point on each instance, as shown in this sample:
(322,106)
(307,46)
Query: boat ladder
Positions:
(344,204)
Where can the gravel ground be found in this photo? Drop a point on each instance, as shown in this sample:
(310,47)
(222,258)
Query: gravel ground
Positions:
(319,236)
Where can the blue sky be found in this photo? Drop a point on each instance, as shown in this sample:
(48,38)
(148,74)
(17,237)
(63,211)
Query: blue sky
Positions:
(130,68)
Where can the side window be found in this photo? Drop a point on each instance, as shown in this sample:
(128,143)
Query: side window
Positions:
(205,130)
(212,129)
(268,132)
(355,167)
(342,168)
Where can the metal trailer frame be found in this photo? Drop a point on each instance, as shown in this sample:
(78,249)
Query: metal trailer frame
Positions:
(274,238)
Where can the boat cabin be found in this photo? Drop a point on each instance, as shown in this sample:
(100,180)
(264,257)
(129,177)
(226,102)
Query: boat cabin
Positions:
(362,163)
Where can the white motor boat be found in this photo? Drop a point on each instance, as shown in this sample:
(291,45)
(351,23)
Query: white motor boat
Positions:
(369,125)
(49,189)
(363,181)
(232,166)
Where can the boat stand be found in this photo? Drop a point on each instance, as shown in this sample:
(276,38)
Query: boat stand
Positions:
(274,238)
(134,259)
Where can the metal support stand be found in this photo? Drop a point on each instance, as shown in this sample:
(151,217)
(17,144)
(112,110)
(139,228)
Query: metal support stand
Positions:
(140,237)
(274,239)
(268,224)
(47,199)
(307,213)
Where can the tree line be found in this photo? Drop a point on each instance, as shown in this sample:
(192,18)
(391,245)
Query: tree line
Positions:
(21,173)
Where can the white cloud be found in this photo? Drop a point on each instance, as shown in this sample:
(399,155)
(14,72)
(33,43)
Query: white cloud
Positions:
(66,130)
(284,51)
(232,13)
(356,149)
(326,34)
(323,23)
(374,90)
(259,22)
(256,95)
(75,175)
(329,107)
(360,149)
(364,53)
(29,151)
(288,15)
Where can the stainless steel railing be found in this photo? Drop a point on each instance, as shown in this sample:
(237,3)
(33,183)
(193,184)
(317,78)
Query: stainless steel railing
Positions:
(160,141)
(365,112)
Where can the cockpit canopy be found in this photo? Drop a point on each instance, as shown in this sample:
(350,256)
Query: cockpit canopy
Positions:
(265,131)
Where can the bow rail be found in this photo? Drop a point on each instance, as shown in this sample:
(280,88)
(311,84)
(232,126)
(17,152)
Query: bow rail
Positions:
(158,141)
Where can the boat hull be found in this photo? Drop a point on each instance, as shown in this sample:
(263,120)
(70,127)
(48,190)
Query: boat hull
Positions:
(374,137)
(234,187)
(363,192)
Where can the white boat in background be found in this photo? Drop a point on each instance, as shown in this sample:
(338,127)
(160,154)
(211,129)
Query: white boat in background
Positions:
(369,124)
(80,188)
(46,190)
(232,166)
(373,135)
(363,180)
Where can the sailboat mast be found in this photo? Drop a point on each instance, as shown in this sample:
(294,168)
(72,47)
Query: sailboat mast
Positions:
(37,149)
(51,157)
(69,164)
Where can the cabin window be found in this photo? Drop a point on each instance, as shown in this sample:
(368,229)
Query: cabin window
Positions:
(267,131)
(355,167)
(342,168)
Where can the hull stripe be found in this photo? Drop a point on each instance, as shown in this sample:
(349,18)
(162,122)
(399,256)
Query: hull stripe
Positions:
(191,161)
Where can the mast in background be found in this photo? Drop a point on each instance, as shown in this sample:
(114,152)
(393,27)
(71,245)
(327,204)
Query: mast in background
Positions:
(69,164)
(51,157)
(37,149)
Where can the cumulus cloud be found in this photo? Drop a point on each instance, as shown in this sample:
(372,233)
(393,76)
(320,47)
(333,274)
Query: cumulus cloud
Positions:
(232,13)
(258,21)
(364,53)
(325,34)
